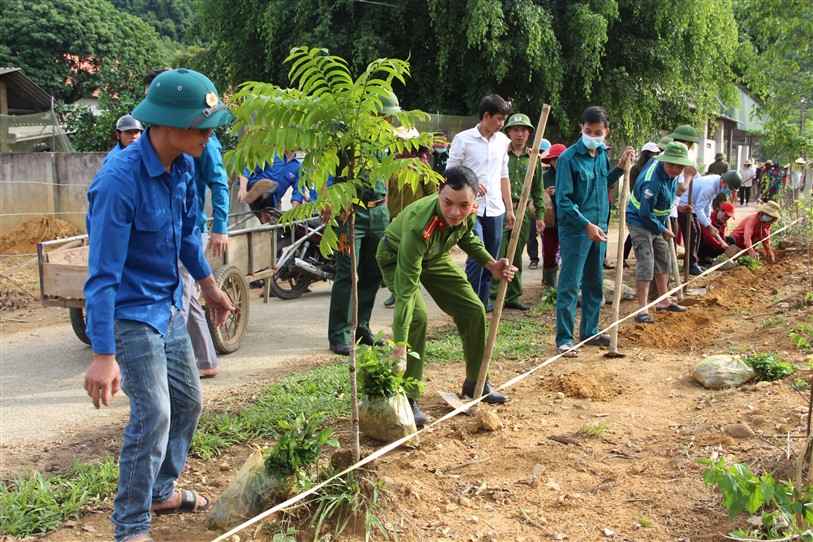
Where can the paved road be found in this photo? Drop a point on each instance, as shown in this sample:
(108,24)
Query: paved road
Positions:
(42,371)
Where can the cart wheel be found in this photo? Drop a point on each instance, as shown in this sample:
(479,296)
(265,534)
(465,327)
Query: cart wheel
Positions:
(290,283)
(78,324)
(227,339)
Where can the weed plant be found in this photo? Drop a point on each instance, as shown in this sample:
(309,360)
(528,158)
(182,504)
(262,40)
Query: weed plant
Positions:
(377,374)
(34,504)
(593,431)
(749,262)
(768,367)
(298,448)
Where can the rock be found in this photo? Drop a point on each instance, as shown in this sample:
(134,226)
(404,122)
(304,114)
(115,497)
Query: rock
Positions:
(224,466)
(738,430)
(450,507)
(464,501)
(487,420)
(234,538)
(473,519)
(759,421)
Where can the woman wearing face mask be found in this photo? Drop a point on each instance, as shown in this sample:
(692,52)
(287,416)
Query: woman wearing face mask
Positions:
(756,228)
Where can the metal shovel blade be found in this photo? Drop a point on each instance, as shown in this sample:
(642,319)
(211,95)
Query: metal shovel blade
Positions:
(452,399)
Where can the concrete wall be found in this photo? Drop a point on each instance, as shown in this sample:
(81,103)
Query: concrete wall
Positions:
(46,183)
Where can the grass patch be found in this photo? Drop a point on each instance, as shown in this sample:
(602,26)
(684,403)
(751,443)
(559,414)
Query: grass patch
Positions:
(322,394)
(769,323)
(593,431)
(517,339)
(34,504)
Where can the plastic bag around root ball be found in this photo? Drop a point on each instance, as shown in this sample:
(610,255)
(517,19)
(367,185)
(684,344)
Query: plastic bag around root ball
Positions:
(721,371)
(250,493)
(387,418)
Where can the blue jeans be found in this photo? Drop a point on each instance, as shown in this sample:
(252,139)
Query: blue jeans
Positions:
(582,268)
(489,230)
(160,377)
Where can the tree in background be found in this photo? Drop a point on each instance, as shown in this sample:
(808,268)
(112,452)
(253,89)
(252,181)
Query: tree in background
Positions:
(651,64)
(72,48)
(776,63)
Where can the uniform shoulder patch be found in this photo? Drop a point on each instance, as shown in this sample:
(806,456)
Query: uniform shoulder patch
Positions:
(434,222)
(648,193)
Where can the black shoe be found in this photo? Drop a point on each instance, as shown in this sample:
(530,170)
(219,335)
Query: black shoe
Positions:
(519,305)
(490,308)
(491,397)
(341,349)
(696,270)
(421,419)
(369,340)
(600,340)
(390,301)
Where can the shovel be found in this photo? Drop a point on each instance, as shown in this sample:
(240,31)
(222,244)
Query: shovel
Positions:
(675,265)
(451,398)
(619,262)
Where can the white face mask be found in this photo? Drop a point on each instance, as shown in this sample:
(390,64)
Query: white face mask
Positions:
(441,151)
(592,143)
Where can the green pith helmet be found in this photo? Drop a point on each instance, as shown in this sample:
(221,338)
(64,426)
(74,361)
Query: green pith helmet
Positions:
(518,119)
(719,156)
(389,104)
(684,132)
(664,141)
(732,179)
(183,98)
(675,153)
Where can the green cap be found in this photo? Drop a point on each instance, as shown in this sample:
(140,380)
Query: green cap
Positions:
(664,141)
(183,98)
(684,132)
(732,179)
(519,119)
(719,156)
(389,104)
(675,153)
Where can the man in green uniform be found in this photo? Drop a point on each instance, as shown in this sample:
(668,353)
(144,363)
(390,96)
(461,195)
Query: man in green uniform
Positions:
(371,219)
(414,251)
(519,129)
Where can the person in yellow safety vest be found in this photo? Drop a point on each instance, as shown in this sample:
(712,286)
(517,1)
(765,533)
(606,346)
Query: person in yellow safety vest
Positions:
(647,212)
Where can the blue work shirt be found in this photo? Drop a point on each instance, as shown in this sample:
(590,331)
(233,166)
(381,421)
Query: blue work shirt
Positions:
(704,189)
(286,173)
(209,171)
(140,221)
(582,182)
(652,198)
(113,152)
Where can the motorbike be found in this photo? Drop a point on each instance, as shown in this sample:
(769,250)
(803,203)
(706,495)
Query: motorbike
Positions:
(300,263)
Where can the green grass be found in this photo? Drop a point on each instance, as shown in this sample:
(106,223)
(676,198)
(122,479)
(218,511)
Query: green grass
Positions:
(322,394)
(517,339)
(34,504)
(593,431)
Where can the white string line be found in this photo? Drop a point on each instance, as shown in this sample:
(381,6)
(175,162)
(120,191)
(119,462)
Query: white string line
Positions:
(391,446)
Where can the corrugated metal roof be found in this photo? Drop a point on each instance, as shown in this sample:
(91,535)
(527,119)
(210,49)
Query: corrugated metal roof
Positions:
(24,95)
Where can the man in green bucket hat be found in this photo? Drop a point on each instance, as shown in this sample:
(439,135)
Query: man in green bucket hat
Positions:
(647,212)
(519,130)
(142,211)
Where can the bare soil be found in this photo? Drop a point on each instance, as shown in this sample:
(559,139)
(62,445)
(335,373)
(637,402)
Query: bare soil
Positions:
(541,477)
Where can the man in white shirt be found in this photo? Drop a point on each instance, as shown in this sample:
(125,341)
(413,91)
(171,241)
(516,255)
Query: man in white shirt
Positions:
(484,149)
(748,173)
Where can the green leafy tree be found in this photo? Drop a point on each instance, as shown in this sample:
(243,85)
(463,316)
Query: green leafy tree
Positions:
(332,117)
(71,48)
(776,62)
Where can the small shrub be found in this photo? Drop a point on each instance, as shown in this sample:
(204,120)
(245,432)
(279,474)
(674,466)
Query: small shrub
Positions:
(749,262)
(298,447)
(548,299)
(593,431)
(769,367)
(378,375)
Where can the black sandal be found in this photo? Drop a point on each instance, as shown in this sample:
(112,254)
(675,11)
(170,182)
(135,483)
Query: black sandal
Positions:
(644,318)
(188,503)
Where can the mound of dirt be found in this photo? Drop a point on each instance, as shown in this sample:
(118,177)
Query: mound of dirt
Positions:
(599,387)
(24,237)
(675,331)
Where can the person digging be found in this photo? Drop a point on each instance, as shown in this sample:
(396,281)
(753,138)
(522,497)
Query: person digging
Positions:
(415,251)
(647,212)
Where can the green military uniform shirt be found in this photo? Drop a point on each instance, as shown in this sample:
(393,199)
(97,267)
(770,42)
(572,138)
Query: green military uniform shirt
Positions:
(517,167)
(420,236)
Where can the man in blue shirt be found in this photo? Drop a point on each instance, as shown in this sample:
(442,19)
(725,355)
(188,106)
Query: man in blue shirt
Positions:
(209,173)
(141,219)
(583,177)
(128,130)
(647,212)
(265,187)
